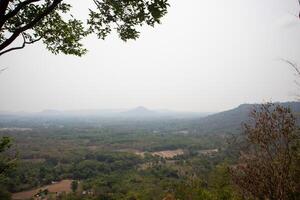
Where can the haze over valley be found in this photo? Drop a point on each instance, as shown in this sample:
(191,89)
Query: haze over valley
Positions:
(149,100)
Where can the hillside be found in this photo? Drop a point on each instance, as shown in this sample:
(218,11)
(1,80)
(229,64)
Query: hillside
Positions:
(232,120)
(229,121)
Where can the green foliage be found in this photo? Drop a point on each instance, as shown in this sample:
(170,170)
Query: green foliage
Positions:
(6,162)
(125,16)
(192,189)
(61,35)
(220,183)
(4,194)
(74,186)
(52,22)
(5,143)
(5,166)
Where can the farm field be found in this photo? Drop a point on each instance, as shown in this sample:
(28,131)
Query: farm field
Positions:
(55,188)
(168,154)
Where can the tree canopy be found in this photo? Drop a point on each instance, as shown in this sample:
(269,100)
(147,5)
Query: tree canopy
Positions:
(52,22)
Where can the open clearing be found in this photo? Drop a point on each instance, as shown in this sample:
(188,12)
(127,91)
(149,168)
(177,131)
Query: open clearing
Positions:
(62,186)
(168,154)
(163,154)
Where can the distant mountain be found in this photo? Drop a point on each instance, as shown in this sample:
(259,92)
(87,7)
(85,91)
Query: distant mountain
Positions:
(232,120)
(202,123)
(137,113)
(140,111)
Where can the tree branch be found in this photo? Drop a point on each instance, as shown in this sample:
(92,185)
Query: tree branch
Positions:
(15,11)
(18,31)
(20,47)
(293,66)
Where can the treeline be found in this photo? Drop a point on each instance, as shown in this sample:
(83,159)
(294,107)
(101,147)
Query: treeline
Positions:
(34,173)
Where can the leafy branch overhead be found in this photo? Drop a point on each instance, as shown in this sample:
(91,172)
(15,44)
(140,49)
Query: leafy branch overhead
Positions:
(52,22)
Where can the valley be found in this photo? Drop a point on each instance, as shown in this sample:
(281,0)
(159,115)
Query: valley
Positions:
(123,159)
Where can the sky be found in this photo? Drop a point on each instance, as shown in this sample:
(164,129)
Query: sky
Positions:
(206,56)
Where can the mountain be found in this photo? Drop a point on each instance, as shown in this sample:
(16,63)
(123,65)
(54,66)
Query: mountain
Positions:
(229,121)
(139,111)
(232,120)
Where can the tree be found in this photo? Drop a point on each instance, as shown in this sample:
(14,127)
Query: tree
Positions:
(74,186)
(5,165)
(220,183)
(52,22)
(267,168)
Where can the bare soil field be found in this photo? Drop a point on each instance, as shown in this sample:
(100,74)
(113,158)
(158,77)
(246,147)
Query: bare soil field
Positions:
(208,151)
(62,186)
(168,154)
(164,154)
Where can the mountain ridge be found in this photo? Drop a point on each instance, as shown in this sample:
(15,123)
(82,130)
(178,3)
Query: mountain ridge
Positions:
(232,120)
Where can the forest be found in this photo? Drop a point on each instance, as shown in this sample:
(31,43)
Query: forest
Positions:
(144,159)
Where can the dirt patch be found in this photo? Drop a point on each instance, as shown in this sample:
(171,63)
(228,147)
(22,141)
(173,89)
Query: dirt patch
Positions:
(59,187)
(208,151)
(168,154)
(164,154)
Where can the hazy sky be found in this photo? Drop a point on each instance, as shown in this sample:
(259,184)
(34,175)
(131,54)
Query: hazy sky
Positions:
(207,55)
